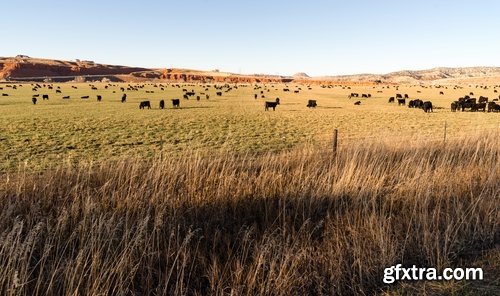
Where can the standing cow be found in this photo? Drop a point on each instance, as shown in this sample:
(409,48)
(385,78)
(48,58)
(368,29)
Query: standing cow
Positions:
(162,104)
(144,104)
(273,105)
(427,106)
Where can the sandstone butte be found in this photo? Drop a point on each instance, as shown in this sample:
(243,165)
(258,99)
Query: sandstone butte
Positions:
(24,68)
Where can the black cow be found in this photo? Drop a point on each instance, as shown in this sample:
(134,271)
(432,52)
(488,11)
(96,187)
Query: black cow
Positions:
(399,96)
(357,103)
(493,107)
(124,98)
(401,102)
(176,103)
(454,106)
(415,103)
(483,99)
(162,104)
(441,93)
(364,95)
(144,104)
(273,105)
(466,103)
(99,98)
(479,106)
(85,97)
(391,100)
(65,97)
(45,97)
(311,104)
(406,96)
(219,93)
(34,101)
(427,106)
(58,91)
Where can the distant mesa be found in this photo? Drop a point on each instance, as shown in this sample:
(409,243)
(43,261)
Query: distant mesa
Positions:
(26,68)
(301,75)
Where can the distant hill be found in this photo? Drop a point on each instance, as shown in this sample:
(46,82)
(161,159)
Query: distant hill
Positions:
(26,68)
(434,75)
(301,75)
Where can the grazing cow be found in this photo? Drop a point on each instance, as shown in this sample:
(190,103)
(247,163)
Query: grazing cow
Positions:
(357,103)
(45,97)
(176,103)
(65,97)
(427,106)
(144,104)
(36,96)
(296,91)
(286,89)
(478,106)
(441,93)
(391,100)
(406,96)
(85,97)
(493,107)
(124,98)
(99,98)
(219,93)
(34,101)
(58,91)
(311,104)
(401,102)
(273,105)
(466,103)
(162,104)
(454,106)
(208,97)
(471,93)
(415,103)
(185,97)
(364,95)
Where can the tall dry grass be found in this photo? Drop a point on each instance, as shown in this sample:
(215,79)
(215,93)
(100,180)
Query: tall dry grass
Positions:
(293,223)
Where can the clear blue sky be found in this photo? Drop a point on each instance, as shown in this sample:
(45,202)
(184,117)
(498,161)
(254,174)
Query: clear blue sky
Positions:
(318,37)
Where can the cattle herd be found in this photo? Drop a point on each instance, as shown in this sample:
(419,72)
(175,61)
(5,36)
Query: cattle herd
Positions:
(473,105)
(465,103)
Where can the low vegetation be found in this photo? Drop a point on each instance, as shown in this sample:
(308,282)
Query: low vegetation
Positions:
(295,222)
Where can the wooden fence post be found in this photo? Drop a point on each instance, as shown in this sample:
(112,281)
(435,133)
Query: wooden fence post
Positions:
(444,136)
(334,144)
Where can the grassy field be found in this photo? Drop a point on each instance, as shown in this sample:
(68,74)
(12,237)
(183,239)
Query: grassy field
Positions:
(242,201)
(59,130)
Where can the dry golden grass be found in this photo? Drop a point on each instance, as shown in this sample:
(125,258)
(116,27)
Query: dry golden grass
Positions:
(298,222)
